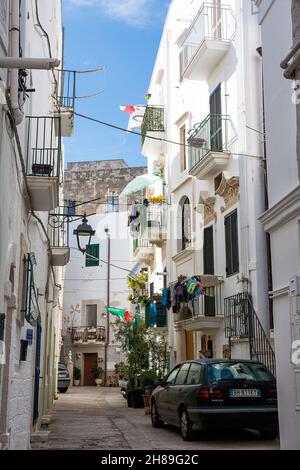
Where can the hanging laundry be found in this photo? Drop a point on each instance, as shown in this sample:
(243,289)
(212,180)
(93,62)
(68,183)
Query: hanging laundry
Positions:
(153,314)
(166,301)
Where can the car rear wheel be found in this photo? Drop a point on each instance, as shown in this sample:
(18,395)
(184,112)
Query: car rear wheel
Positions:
(186,427)
(155,419)
(63,390)
(268,434)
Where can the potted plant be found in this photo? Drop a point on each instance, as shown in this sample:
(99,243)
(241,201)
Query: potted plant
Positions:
(98,372)
(147,379)
(76,376)
(91,339)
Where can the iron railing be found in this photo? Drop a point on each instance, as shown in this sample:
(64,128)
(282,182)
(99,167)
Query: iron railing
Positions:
(154,215)
(67,93)
(212,22)
(154,121)
(214,134)
(210,304)
(84,334)
(43,152)
(59,228)
(30,309)
(161,318)
(241,321)
(140,243)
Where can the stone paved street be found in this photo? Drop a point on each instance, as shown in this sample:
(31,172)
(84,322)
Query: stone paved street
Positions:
(98,418)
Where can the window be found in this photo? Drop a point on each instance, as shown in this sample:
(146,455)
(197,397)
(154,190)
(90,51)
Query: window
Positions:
(182,139)
(231,244)
(194,374)
(170,380)
(112,203)
(181,376)
(186,223)
(91,315)
(70,208)
(92,256)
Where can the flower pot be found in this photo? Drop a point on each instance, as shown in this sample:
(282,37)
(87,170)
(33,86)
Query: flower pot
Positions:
(76,383)
(98,382)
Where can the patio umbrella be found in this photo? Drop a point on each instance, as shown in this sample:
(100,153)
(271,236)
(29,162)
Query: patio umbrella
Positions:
(139,183)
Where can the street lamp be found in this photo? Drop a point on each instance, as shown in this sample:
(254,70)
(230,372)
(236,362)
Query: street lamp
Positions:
(84,230)
(108,304)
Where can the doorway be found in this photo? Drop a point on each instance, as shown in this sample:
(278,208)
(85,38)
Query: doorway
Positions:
(90,361)
(190,345)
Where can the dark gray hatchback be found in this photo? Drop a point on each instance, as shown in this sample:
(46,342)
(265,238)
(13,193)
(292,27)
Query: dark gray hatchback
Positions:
(218,393)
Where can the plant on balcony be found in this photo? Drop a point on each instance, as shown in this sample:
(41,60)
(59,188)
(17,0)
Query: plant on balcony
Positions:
(91,338)
(157,297)
(157,199)
(143,300)
(101,338)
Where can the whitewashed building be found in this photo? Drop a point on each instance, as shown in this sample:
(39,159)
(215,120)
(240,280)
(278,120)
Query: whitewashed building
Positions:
(206,103)
(282,218)
(31,255)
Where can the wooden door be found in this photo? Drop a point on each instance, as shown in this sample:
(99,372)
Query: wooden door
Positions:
(190,346)
(90,361)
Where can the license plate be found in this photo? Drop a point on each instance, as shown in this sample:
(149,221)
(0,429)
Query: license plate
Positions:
(244,392)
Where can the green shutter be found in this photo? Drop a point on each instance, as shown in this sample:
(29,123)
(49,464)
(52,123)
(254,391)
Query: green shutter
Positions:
(92,256)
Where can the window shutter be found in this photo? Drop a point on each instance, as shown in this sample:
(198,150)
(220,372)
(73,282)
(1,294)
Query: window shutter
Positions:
(228,246)
(208,251)
(235,242)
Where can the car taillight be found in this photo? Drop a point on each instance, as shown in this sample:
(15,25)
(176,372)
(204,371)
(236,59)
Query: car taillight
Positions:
(272,392)
(209,392)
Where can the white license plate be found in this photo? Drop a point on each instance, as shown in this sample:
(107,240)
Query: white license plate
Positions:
(244,392)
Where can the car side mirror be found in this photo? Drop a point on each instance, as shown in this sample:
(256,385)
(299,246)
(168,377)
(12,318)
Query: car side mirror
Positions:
(158,382)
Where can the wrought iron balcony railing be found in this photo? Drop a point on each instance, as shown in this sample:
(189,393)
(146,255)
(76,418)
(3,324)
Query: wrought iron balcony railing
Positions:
(214,134)
(154,216)
(213,22)
(210,304)
(140,243)
(59,228)
(154,121)
(67,92)
(43,153)
(86,334)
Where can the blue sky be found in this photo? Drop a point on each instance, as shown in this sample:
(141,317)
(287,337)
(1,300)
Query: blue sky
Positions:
(124,36)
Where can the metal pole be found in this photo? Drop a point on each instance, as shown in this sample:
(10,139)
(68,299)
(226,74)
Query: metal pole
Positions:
(108,302)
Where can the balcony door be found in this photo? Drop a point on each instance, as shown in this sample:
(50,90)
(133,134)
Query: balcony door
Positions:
(91,316)
(215,110)
(208,264)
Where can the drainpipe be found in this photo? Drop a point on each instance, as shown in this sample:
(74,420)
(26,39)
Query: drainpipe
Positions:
(15,52)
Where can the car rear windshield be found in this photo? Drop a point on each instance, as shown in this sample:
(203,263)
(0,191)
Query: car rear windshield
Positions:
(221,371)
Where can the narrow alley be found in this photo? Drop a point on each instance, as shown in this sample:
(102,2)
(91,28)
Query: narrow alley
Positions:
(90,418)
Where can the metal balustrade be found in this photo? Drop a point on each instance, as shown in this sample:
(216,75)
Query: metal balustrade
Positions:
(214,134)
(212,22)
(155,215)
(153,121)
(84,334)
(59,228)
(241,321)
(67,92)
(43,150)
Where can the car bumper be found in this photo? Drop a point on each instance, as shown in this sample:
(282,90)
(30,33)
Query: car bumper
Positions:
(233,417)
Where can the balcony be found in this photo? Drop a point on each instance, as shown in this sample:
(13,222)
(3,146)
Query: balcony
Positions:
(209,144)
(154,223)
(84,335)
(161,319)
(143,251)
(66,101)
(206,42)
(153,126)
(59,237)
(207,311)
(44,161)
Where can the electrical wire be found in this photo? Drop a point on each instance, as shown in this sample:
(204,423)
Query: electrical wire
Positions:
(160,139)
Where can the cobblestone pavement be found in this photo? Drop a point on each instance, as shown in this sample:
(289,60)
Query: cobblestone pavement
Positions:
(99,419)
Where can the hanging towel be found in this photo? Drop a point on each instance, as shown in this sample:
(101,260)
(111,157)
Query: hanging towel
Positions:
(153,314)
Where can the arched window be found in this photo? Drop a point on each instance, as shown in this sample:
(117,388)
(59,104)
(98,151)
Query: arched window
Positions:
(186,223)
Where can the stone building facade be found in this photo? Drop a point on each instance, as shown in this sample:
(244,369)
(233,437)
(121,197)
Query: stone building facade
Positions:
(86,181)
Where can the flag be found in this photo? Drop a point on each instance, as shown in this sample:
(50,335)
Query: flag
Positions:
(116,311)
(128,317)
(127,109)
(136,115)
(147,96)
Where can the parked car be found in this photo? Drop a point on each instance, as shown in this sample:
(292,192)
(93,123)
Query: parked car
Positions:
(63,380)
(220,393)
